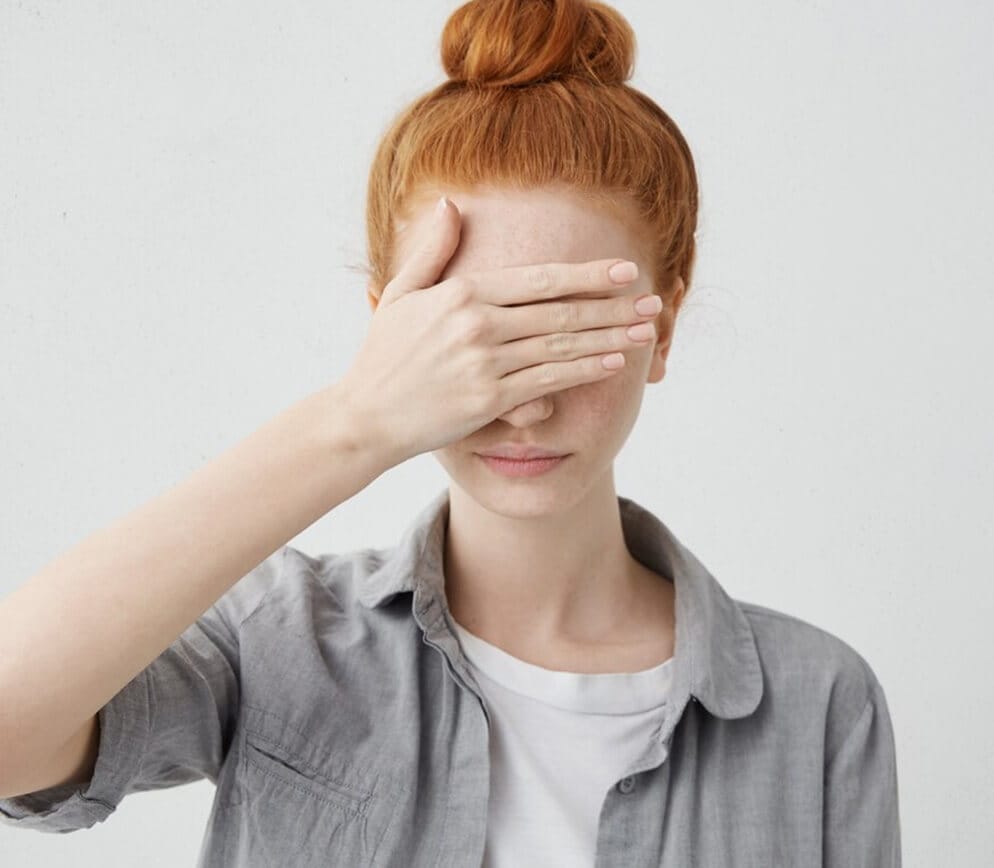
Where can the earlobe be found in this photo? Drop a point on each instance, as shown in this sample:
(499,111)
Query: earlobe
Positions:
(657,368)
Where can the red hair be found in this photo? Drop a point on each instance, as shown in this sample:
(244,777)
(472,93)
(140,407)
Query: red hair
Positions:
(536,96)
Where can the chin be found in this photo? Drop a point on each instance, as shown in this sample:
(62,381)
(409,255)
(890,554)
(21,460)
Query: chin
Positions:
(517,503)
(549,493)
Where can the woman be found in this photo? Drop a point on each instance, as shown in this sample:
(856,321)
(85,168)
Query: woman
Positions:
(539,673)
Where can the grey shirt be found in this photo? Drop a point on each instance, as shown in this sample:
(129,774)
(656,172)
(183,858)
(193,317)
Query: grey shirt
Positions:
(329,700)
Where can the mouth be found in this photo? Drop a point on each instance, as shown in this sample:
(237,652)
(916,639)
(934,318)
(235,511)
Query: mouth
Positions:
(517,467)
(520,452)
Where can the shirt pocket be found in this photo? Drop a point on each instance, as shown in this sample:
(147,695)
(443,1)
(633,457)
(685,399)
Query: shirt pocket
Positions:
(298,799)
(264,755)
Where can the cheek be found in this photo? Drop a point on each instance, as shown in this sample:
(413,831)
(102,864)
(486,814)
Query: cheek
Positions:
(603,404)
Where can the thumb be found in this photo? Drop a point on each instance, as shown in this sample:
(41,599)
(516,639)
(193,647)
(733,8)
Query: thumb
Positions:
(433,251)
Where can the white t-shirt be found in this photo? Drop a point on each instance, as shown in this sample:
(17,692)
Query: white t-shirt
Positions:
(559,741)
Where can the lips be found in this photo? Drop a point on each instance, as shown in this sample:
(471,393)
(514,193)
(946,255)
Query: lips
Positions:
(520,453)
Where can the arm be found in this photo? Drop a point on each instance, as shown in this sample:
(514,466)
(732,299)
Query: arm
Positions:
(77,632)
(861,819)
(73,763)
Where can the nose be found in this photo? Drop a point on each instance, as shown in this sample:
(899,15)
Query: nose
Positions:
(524,415)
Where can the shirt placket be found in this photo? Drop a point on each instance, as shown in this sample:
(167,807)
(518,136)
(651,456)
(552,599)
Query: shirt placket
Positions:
(464,839)
(625,837)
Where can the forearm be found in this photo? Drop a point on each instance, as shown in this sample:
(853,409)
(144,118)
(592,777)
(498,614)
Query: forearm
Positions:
(80,629)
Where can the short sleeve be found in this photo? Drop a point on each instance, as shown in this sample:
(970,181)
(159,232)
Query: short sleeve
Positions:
(172,724)
(861,811)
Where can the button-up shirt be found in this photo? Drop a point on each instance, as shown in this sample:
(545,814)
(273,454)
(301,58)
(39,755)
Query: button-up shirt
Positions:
(329,700)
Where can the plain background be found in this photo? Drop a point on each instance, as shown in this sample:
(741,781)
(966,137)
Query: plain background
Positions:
(182,193)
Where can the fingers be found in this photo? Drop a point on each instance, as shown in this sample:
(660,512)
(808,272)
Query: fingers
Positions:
(558,319)
(567,346)
(527,384)
(434,249)
(537,291)
(523,284)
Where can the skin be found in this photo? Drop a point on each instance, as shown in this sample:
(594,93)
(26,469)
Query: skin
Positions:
(538,566)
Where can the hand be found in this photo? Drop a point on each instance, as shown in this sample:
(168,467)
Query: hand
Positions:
(442,360)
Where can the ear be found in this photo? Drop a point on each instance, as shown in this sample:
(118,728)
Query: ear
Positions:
(664,324)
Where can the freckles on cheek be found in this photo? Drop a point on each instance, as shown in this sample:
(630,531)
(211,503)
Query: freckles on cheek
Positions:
(605,399)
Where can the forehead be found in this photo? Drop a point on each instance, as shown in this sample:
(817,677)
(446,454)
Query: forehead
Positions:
(503,227)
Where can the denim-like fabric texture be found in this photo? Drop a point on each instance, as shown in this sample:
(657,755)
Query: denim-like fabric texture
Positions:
(329,700)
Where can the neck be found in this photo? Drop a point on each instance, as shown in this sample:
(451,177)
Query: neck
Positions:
(555,580)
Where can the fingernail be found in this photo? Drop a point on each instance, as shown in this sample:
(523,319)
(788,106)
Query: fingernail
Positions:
(648,305)
(623,272)
(641,331)
(440,207)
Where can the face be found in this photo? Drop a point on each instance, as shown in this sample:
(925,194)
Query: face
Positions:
(591,421)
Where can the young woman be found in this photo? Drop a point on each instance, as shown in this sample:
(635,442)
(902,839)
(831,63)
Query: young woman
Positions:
(539,672)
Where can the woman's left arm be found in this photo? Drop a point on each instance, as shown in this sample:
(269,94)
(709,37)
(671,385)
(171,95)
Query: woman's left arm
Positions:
(861,822)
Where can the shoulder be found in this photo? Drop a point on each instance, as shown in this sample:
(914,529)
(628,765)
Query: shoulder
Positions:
(293,581)
(799,645)
(809,670)
(285,577)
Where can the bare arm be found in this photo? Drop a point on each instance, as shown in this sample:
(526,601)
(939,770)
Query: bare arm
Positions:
(80,629)
(73,763)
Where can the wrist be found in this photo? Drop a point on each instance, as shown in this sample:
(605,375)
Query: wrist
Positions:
(351,428)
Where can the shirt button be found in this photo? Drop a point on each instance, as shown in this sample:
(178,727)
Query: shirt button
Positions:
(626,785)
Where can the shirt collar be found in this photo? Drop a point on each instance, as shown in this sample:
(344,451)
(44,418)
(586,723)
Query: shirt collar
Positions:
(715,655)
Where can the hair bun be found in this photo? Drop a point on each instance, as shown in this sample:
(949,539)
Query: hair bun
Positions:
(504,43)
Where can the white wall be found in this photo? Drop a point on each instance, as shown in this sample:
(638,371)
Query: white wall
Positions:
(181,197)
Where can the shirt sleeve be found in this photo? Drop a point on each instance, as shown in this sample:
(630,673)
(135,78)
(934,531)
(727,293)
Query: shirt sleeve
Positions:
(171,724)
(861,820)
